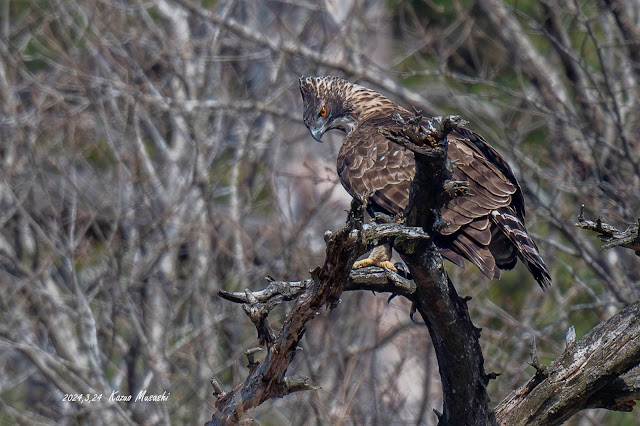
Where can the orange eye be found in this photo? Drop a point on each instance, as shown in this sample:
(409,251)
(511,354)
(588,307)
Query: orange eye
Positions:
(323,112)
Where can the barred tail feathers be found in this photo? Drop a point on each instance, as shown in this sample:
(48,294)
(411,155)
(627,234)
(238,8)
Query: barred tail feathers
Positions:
(526,249)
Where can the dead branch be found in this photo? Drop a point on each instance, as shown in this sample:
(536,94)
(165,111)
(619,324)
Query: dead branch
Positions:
(619,395)
(611,236)
(267,379)
(371,278)
(455,338)
(594,372)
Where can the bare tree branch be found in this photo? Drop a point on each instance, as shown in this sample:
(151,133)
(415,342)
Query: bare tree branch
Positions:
(267,380)
(455,338)
(590,373)
(610,234)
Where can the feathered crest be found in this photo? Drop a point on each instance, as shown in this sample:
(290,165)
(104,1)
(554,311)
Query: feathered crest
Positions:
(324,87)
(341,96)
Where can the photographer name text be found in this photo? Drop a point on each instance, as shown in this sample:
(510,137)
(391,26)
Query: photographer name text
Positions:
(116,396)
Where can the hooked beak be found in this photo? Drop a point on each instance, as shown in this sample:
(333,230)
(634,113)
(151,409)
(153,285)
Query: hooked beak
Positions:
(317,132)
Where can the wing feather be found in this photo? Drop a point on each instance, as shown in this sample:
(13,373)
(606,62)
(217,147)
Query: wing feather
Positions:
(478,255)
(482,237)
(480,224)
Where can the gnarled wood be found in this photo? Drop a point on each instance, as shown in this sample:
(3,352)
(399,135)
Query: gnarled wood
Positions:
(267,379)
(455,338)
(586,375)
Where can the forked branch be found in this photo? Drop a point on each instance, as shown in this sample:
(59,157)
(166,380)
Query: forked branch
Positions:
(267,379)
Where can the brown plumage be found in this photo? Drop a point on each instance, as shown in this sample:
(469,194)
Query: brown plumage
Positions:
(486,227)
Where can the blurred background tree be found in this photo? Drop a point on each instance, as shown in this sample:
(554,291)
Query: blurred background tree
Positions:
(153,153)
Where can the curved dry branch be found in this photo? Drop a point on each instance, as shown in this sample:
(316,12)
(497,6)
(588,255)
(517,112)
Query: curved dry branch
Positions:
(371,278)
(267,379)
(595,371)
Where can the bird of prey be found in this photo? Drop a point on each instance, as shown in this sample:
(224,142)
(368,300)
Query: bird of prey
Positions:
(485,226)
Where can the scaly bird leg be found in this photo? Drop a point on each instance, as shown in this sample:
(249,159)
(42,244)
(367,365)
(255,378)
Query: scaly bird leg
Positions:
(379,256)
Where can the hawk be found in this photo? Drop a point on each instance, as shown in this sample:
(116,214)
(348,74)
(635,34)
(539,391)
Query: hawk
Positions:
(485,226)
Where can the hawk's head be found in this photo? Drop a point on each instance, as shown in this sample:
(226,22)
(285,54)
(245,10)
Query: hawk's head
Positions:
(327,105)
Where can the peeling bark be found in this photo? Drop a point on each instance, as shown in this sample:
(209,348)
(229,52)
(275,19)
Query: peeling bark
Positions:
(590,373)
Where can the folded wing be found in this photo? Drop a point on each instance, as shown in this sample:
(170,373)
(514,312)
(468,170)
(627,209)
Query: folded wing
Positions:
(486,226)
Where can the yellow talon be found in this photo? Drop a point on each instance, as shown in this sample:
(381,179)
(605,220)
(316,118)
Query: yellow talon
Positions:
(364,263)
(388,265)
(379,256)
(374,262)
